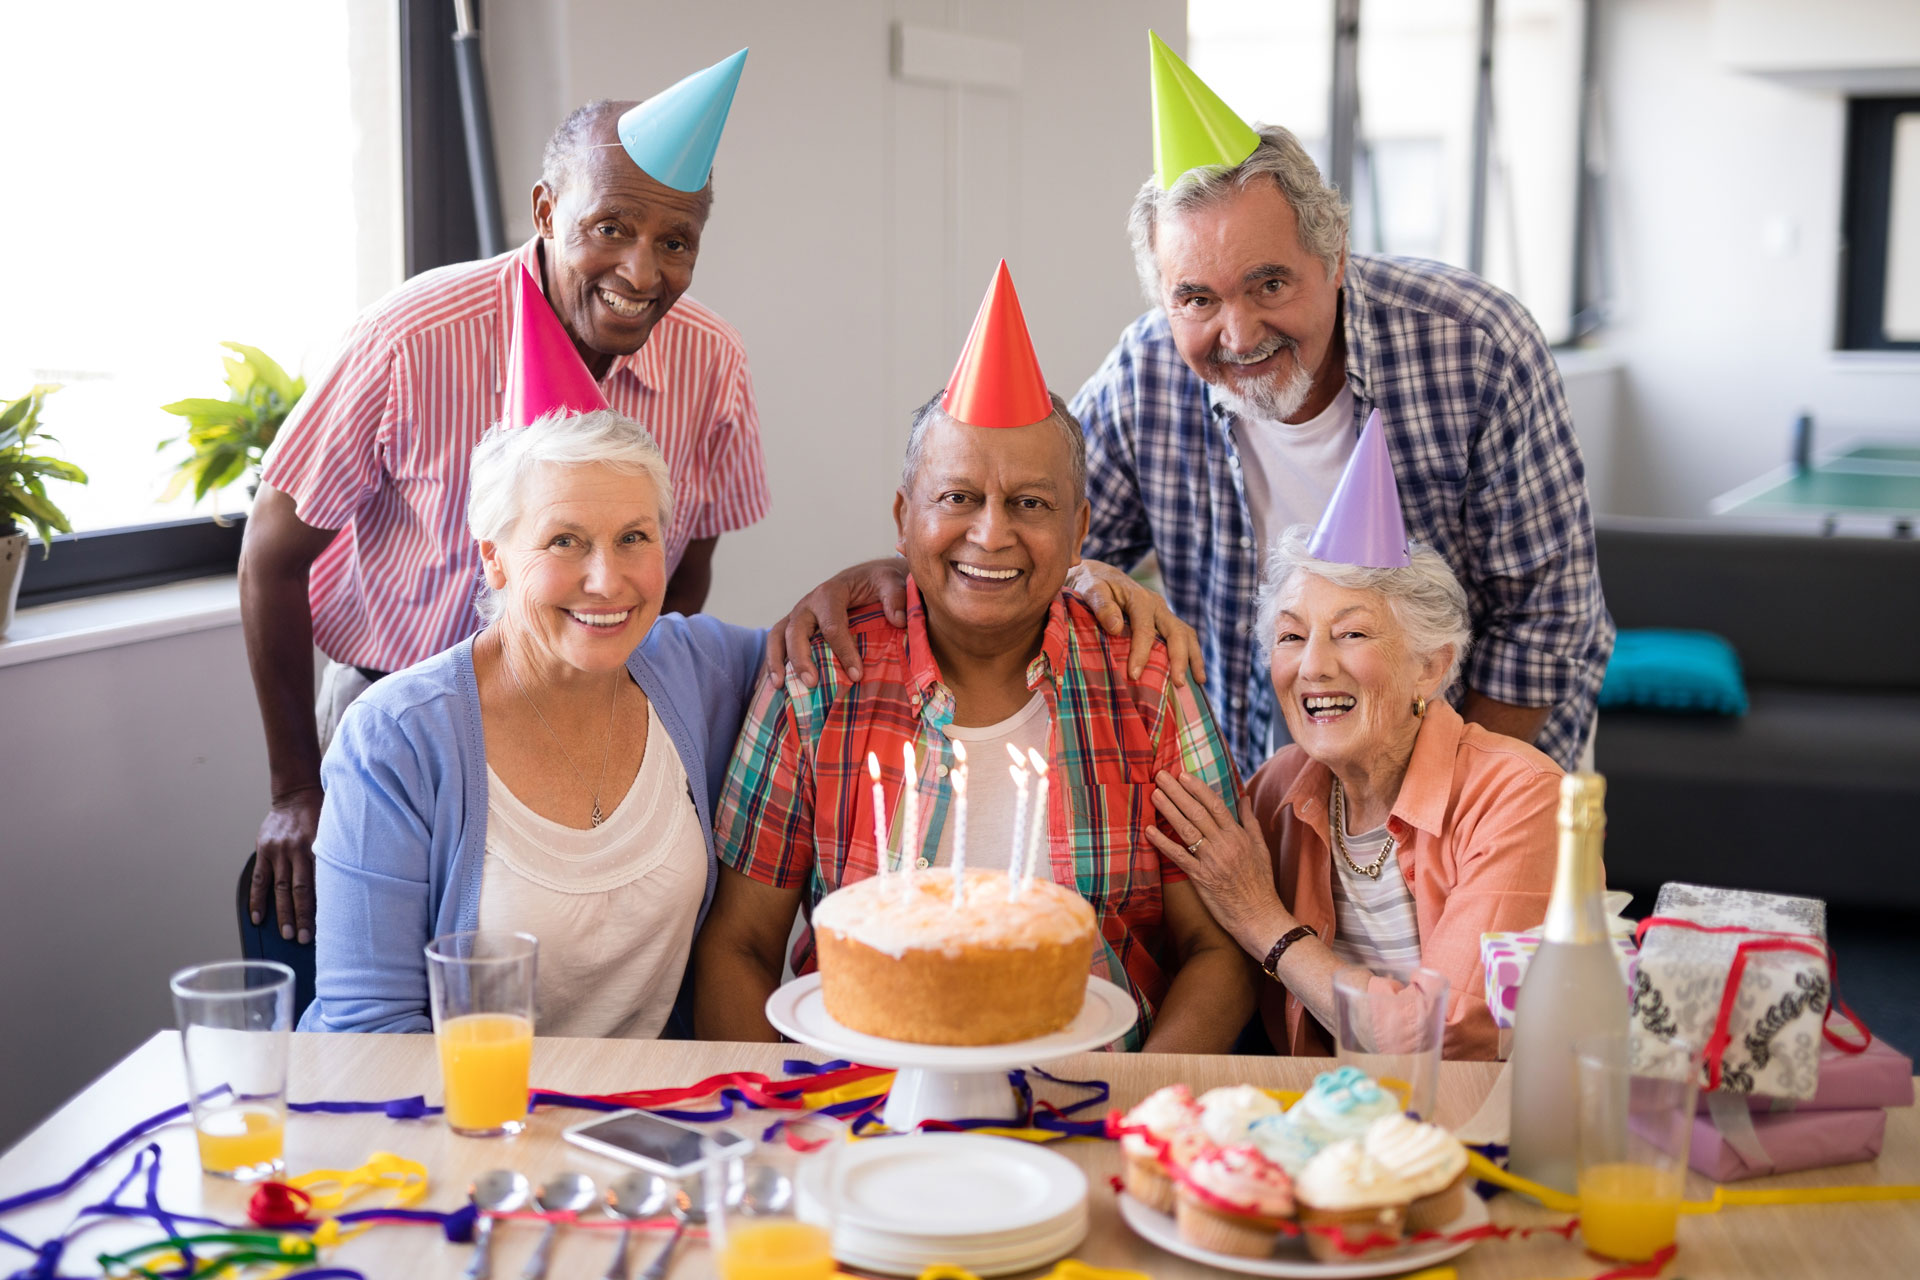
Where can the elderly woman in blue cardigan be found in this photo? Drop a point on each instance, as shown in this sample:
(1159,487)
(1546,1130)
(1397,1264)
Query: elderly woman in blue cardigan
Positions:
(555,774)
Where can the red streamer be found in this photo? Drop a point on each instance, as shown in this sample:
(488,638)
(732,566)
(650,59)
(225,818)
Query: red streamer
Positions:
(755,1086)
(276,1204)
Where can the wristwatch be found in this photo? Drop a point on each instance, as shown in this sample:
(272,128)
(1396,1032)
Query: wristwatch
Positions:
(1272,963)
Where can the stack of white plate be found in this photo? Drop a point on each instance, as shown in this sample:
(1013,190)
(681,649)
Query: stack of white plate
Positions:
(995,1206)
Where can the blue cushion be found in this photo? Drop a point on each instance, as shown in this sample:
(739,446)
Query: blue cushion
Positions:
(1675,671)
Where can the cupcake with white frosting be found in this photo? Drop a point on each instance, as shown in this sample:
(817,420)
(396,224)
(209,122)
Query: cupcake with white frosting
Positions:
(1429,1159)
(1345,1194)
(1171,1120)
(1233,1200)
(1283,1142)
(1228,1113)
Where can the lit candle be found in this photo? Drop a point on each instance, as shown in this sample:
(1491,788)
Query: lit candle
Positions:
(1018,771)
(879,815)
(959,776)
(1037,846)
(910,812)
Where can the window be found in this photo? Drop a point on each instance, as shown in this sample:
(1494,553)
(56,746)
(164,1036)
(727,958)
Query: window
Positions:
(1880,278)
(184,174)
(1418,82)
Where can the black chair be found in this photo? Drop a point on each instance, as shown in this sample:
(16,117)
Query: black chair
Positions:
(263,942)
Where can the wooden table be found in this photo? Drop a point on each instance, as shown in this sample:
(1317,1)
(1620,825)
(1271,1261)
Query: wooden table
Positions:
(1799,1241)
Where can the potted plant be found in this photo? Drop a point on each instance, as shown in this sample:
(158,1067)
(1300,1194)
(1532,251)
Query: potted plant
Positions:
(24,472)
(228,438)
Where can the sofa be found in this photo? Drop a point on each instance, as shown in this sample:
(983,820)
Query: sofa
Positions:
(1816,789)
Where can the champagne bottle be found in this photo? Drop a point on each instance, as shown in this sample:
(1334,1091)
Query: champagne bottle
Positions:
(1572,992)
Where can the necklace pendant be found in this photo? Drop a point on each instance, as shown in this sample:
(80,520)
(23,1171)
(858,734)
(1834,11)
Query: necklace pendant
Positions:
(599,818)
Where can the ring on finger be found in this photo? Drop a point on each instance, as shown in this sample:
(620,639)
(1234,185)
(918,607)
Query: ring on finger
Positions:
(1195,846)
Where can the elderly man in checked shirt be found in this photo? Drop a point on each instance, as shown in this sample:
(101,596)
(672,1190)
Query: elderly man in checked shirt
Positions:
(1227,412)
(994,654)
(358,540)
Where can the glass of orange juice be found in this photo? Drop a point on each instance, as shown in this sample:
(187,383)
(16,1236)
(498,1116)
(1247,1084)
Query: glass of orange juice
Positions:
(1636,1122)
(757,1240)
(234,1019)
(482,995)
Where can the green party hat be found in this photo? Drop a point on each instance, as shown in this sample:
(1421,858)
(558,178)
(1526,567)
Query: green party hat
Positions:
(1191,126)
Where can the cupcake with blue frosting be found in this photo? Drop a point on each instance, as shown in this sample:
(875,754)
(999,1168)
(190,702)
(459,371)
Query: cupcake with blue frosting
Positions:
(1343,1103)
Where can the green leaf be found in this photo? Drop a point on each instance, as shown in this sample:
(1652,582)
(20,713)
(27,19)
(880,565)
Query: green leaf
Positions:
(178,482)
(266,369)
(204,410)
(15,411)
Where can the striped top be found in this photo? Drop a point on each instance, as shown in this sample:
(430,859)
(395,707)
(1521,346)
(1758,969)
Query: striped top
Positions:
(1374,921)
(797,807)
(378,450)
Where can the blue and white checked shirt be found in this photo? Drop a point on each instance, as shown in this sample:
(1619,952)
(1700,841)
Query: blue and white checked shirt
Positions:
(1490,477)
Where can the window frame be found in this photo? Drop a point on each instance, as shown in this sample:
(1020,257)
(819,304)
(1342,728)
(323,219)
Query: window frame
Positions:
(437,199)
(1866,212)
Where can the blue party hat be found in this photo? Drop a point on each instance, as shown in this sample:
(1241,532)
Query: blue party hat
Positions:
(1363,524)
(672,135)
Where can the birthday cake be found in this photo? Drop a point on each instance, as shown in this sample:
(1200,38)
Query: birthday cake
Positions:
(900,959)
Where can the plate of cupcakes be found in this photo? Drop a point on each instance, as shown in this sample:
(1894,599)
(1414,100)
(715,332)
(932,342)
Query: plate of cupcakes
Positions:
(1341,1185)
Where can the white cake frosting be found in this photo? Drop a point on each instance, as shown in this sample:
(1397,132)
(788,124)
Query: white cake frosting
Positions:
(1426,1155)
(1228,1113)
(916,912)
(1344,1176)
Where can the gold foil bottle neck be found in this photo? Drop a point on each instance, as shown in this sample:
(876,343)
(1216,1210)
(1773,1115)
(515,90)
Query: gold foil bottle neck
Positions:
(1576,912)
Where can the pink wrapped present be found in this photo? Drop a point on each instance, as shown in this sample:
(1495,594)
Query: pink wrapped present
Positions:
(1734,1144)
(1505,957)
(1880,1077)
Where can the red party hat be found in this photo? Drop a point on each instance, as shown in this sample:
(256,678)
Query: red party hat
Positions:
(997,382)
(544,371)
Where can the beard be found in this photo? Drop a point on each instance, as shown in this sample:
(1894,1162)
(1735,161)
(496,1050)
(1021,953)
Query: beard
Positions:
(1276,398)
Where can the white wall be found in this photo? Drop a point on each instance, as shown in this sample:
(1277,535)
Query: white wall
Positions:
(857,218)
(1726,201)
(133,782)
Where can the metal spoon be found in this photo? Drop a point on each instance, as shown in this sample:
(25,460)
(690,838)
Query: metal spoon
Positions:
(768,1191)
(689,1208)
(501,1191)
(562,1193)
(636,1196)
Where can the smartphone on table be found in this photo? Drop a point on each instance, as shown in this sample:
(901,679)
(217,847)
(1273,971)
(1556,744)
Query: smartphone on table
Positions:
(666,1147)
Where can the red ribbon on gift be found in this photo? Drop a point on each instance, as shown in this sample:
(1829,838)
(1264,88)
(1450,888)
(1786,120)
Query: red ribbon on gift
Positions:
(1759,940)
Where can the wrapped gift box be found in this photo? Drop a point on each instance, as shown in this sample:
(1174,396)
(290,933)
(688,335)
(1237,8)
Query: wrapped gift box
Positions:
(1505,957)
(1880,1077)
(1785,1142)
(1778,1007)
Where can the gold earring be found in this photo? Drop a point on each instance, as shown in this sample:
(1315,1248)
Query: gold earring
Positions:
(1419,708)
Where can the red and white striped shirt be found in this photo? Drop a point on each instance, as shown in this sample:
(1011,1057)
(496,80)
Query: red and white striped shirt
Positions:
(378,450)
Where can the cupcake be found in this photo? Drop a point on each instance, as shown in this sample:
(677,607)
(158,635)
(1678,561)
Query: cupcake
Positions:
(1228,1113)
(1345,1189)
(1429,1159)
(1233,1200)
(1283,1142)
(1165,1114)
(1341,1104)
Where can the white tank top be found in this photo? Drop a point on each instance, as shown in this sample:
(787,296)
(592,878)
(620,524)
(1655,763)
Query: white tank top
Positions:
(990,792)
(614,906)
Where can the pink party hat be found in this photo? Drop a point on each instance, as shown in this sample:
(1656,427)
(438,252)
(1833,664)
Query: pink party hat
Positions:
(1363,524)
(544,371)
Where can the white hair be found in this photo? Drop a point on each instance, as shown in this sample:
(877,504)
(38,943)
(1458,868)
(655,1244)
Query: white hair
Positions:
(504,460)
(1424,597)
(1317,207)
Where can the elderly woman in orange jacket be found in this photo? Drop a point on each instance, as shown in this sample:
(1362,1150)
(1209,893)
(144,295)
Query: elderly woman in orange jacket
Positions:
(1392,833)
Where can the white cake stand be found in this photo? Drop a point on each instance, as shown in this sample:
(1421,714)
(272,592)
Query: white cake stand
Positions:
(948,1082)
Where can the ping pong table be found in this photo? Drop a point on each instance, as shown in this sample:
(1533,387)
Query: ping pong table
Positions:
(1870,480)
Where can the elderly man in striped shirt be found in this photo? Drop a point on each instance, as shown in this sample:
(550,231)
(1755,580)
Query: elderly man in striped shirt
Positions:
(358,540)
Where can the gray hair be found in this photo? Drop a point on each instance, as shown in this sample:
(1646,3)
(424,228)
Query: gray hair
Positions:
(582,132)
(1425,597)
(1318,208)
(505,459)
(933,411)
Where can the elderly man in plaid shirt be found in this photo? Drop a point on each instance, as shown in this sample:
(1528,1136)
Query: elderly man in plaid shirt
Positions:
(1227,412)
(994,654)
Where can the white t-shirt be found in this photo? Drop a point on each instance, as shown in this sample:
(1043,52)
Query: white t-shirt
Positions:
(1374,923)
(613,906)
(990,791)
(1290,468)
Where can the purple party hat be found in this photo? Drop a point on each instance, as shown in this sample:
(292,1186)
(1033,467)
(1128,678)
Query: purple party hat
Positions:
(1363,524)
